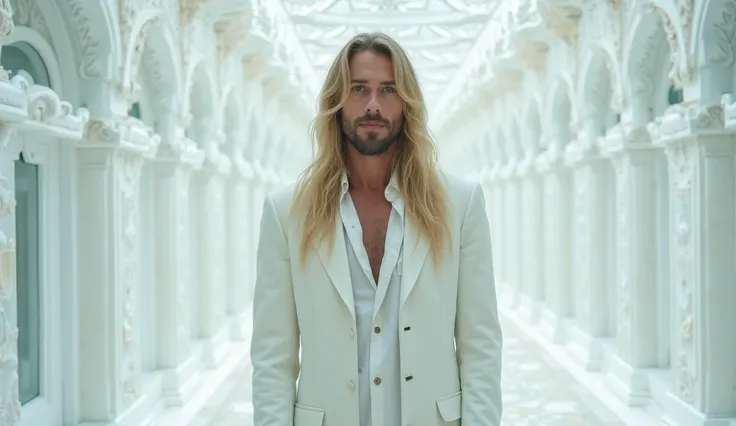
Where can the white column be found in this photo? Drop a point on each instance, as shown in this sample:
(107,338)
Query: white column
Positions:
(172,172)
(512,233)
(703,216)
(498,229)
(591,277)
(109,271)
(239,284)
(557,243)
(531,214)
(637,333)
(209,187)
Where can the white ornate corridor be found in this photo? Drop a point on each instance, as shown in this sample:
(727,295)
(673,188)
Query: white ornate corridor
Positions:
(138,138)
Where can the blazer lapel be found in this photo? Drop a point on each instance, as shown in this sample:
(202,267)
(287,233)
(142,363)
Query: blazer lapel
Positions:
(416,248)
(336,264)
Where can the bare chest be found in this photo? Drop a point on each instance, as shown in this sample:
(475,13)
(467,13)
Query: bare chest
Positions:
(374,217)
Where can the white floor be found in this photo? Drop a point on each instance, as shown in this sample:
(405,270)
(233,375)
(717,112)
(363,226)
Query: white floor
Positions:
(539,390)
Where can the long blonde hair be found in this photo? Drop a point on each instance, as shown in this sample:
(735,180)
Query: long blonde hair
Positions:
(415,161)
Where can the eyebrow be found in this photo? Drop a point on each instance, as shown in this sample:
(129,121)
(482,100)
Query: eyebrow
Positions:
(383,83)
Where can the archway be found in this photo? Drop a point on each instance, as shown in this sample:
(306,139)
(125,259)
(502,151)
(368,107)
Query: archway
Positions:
(159,78)
(513,140)
(647,68)
(202,103)
(596,92)
(254,131)
(532,117)
(91,54)
(232,122)
(715,49)
(559,114)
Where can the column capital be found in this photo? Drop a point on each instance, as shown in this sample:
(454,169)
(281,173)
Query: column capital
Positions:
(120,134)
(180,151)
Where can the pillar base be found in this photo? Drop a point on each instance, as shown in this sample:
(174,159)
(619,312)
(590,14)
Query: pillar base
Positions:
(553,327)
(587,351)
(179,384)
(629,384)
(213,349)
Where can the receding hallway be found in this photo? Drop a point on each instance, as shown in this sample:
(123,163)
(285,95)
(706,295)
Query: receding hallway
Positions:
(138,139)
(538,391)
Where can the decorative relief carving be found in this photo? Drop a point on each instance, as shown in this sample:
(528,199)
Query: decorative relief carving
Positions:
(729,110)
(129,86)
(45,107)
(6,18)
(26,13)
(562,21)
(127,133)
(643,79)
(129,178)
(721,47)
(683,69)
(681,156)
(9,397)
(91,65)
(13,95)
(683,121)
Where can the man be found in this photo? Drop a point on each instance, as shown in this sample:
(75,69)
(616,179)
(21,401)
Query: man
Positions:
(379,265)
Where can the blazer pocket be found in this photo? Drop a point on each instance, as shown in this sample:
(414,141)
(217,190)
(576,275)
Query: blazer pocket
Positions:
(450,406)
(308,416)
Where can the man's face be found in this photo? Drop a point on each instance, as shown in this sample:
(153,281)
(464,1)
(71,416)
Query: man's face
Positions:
(372,117)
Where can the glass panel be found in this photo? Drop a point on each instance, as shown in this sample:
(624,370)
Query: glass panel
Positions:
(135,110)
(675,96)
(23,57)
(28,263)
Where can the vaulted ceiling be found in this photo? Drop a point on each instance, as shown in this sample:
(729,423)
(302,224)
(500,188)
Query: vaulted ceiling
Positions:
(437,34)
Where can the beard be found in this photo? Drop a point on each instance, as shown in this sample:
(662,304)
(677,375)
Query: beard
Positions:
(371,144)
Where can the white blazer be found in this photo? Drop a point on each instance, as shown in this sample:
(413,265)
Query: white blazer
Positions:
(450,337)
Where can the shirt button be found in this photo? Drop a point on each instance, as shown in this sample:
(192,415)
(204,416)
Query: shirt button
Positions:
(351,385)
(377,381)
(352,333)
(377,329)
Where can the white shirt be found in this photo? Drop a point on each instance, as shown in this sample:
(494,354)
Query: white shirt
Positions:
(376,312)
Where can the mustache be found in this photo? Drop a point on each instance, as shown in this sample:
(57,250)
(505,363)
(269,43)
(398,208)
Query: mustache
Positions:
(375,118)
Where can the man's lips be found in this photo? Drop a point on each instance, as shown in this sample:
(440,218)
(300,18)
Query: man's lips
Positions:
(372,125)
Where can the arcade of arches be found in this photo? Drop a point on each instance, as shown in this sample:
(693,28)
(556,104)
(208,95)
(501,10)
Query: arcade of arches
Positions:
(139,137)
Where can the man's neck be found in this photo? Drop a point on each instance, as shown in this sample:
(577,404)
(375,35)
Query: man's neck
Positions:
(371,173)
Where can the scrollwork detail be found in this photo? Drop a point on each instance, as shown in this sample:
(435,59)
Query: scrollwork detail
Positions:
(129,177)
(681,158)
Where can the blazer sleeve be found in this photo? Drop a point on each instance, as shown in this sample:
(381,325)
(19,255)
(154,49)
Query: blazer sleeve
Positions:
(275,341)
(478,334)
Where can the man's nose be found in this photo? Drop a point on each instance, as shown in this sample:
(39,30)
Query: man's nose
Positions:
(373,106)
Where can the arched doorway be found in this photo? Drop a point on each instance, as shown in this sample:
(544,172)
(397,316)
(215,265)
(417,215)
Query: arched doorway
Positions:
(22,59)
(33,163)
